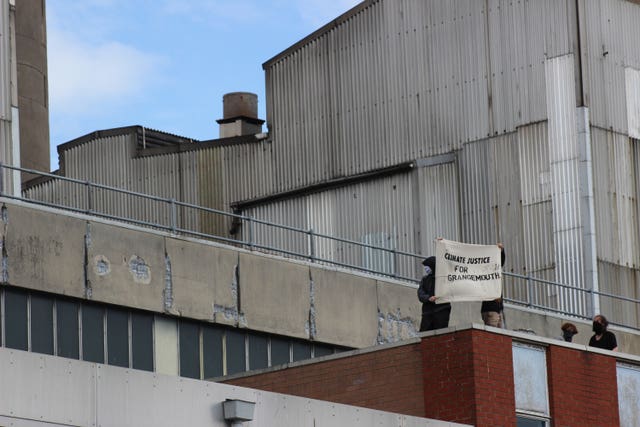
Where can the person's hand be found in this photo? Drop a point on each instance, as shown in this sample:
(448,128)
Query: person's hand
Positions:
(432,298)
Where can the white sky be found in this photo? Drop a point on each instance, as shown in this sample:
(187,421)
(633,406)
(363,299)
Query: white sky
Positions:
(165,64)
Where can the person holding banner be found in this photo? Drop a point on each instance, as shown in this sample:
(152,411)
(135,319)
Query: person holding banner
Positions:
(491,311)
(434,316)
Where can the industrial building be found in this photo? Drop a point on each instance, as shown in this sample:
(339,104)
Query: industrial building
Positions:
(399,121)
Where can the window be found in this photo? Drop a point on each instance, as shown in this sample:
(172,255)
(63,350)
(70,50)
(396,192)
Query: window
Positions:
(279,351)
(93,333)
(236,353)
(258,352)
(67,329)
(522,421)
(301,350)
(628,394)
(117,337)
(41,324)
(15,317)
(212,351)
(142,341)
(320,350)
(189,350)
(530,380)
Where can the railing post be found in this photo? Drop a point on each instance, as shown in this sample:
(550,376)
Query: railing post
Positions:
(250,231)
(529,304)
(174,219)
(1,179)
(89,196)
(312,246)
(393,263)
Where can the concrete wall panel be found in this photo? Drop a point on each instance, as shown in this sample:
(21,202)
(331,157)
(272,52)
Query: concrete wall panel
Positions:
(345,308)
(399,311)
(126,266)
(274,295)
(44,251)
(202,278)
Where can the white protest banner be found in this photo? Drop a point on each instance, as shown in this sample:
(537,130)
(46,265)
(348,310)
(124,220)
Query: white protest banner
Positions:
(466,272)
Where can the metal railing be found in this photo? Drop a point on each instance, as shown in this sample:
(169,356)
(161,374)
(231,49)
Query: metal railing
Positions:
(254,234)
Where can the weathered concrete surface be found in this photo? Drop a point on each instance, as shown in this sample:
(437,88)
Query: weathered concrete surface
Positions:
(203,279)
(346,308)
(43,251)
(125,266)
(398,311)
(274,295)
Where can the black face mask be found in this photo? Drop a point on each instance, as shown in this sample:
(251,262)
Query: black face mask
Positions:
(598,328)
(567,335)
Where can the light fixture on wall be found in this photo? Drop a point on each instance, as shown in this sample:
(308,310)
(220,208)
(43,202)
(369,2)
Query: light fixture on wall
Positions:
(237,411)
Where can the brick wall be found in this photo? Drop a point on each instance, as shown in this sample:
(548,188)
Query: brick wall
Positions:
(387,380)
(582,388)
(469,378)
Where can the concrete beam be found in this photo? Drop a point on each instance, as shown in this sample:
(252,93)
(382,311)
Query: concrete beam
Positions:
(43,251)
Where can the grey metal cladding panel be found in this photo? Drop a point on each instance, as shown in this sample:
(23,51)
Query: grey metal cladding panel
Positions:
(438,203)
(623,281)
(249,171)
(5,61)
(521,35)
(537,236)
(534,163)
(403,80)
(616,197)
(478,221)
(506,198)
(613,36)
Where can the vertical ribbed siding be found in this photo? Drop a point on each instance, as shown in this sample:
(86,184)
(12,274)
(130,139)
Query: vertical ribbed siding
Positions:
(564,162)
(535,187)
(377,213)
(5,64)
(478,220)
(400,80)
(623,281)
(612,39)
(616,164)
(438,205)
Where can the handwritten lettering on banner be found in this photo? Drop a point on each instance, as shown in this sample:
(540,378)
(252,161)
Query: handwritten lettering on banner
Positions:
(466,272)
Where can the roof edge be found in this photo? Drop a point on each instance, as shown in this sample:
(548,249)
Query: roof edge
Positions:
(319,32)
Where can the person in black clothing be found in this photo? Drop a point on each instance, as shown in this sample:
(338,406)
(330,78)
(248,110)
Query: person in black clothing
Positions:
(491,311)
(434,316)
(601,337)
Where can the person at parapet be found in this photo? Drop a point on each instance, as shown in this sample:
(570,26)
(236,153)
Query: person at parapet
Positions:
(491,311)
(568,331)
(434,316)
(601,337)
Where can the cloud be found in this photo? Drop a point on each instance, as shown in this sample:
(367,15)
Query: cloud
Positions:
(85,77)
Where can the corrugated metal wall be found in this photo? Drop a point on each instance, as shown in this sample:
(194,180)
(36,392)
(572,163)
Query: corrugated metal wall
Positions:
(612,37)
(407,79)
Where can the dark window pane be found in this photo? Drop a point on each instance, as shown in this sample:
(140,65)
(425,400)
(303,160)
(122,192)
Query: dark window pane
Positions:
(41,324)
(93,333)
(279,351)
(117,337)
(212,351)
(301,351)
(258,352)
(142,341)
(189,350)
(15,309)
(322,350)
(67,329)
(528,422)
(236,354)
